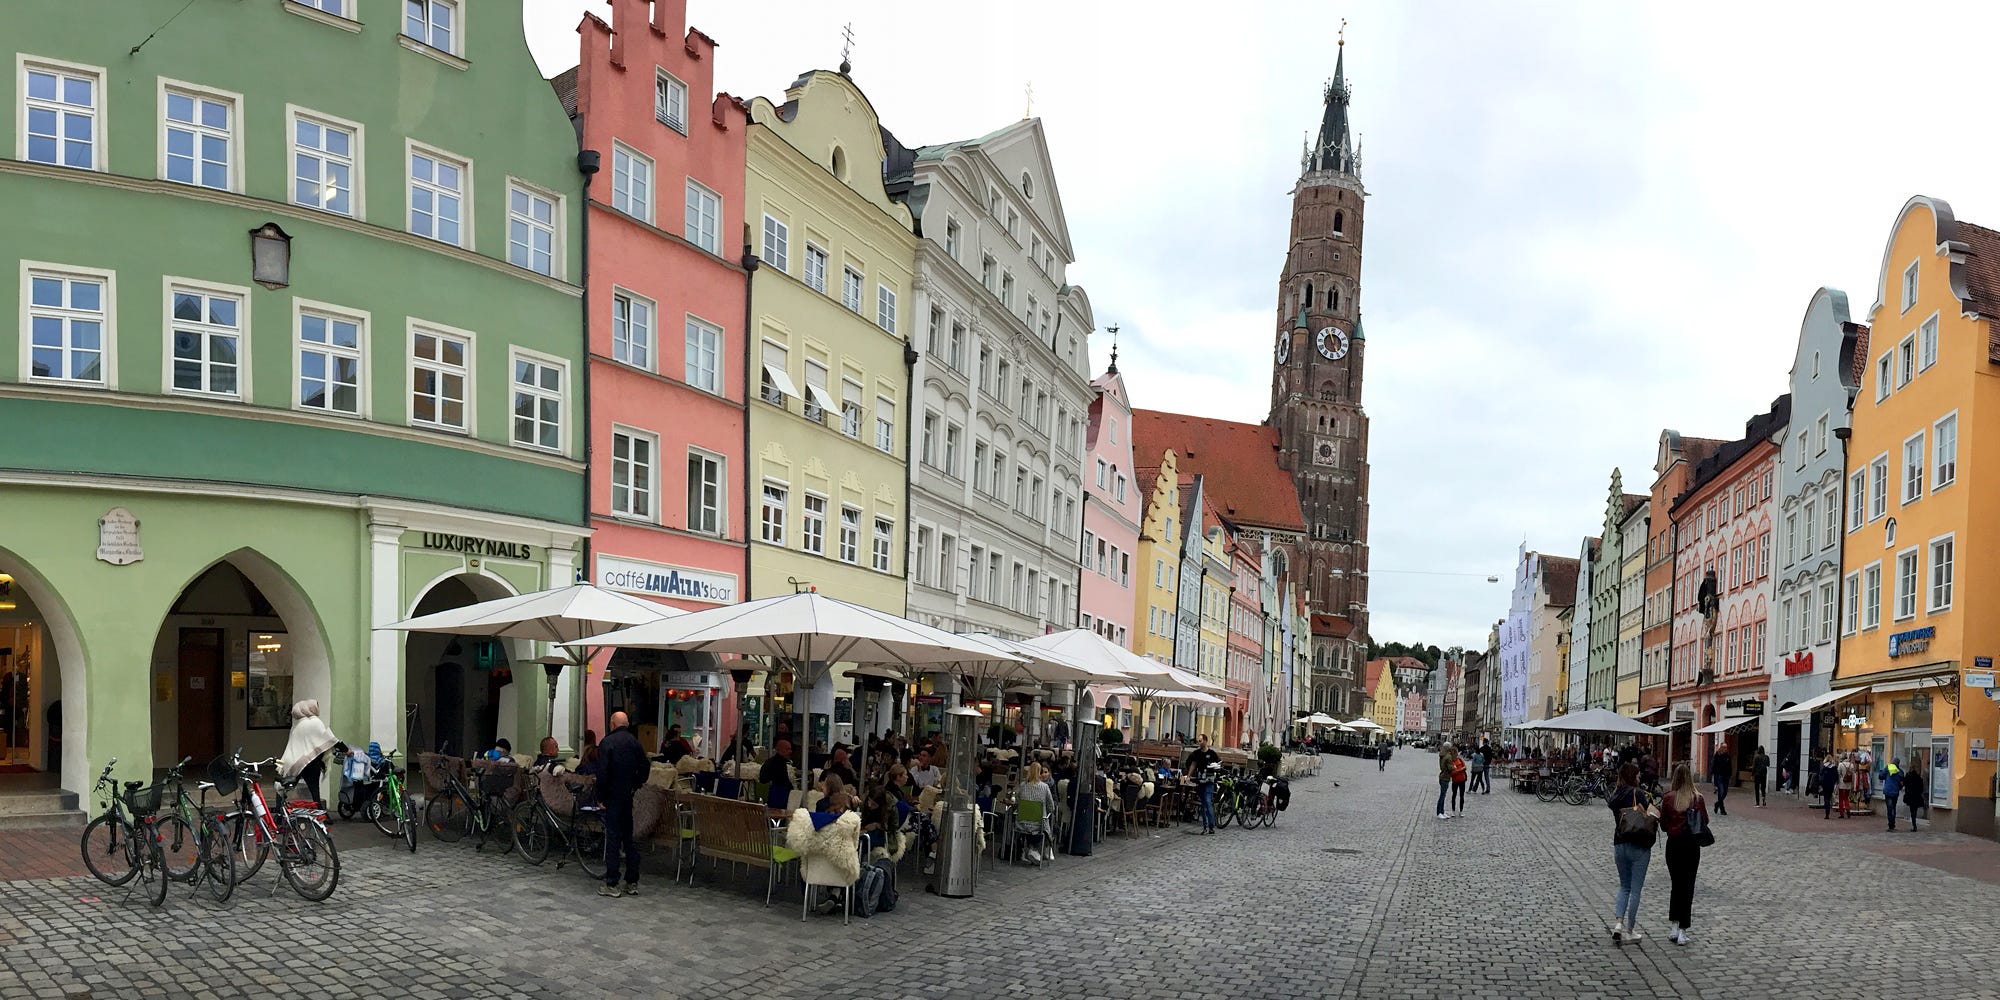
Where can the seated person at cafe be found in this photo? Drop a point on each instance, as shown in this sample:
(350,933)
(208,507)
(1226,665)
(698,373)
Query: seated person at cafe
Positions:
(674,747)
(502,750)
(1035,788)
(878,817)
(589,765)
(777,775)
(549,760)
(923,772)
(901,786)
(831,788)
(840,766)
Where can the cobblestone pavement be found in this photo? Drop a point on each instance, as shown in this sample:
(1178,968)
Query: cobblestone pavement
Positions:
(1358,892)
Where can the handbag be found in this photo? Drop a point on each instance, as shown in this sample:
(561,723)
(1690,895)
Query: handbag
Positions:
(1698,826)
(1636,824)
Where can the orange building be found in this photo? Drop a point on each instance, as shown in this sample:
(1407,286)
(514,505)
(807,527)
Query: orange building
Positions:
(1672,468)
(1918,641)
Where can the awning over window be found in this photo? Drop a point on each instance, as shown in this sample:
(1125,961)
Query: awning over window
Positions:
(1727,724)
(1649,713)
(1811,705)
(1677,724)
(780,379)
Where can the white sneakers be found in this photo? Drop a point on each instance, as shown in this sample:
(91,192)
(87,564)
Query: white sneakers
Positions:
(1441,815)
(1678,935)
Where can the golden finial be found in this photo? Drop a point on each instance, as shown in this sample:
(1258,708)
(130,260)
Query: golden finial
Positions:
(1342,37)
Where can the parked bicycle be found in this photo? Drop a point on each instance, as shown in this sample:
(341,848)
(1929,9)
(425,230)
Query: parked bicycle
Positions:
(391,810)
(1261,809)
(295,831)
(456,810)
(120,844)
(195,847)
(538,826)
(1228,795)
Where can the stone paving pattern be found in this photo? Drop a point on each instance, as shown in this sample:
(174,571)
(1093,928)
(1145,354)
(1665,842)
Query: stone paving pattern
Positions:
(1358,892)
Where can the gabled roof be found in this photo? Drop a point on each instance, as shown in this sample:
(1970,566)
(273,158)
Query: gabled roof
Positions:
(1559,579)
(1336,626)
(1982,279)
(1756,431)
(1238,464)
(565,87)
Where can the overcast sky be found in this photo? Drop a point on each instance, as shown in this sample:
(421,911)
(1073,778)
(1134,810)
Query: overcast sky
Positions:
(1587,221)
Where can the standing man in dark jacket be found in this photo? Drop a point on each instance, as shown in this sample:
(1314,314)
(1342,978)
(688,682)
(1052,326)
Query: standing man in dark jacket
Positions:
(1720,768)
(623,768)
(1760,768)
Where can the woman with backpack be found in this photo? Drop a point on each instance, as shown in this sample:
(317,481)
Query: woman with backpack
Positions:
(1448,764)
(1684,819)
(1635,824)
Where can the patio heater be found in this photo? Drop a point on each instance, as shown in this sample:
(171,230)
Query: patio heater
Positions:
(742,678)
(958,834)
(1083,789)
(554,672)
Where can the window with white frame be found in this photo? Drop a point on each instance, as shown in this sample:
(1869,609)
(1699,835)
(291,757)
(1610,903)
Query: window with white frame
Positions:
(1913,467)
(337,8)
(1910,286)
(815,270)
(432,22)
(1830,514)
(1942,550)
(979,480)
(812,525)
(1785,623)
(670,102)
(531,229)
(538,392)
(61,115)
(986,269)
(773,516)
(631,182)
(633,470)
(777,247)
(1857,491)
(1944,452)
(1850,590)
(1878,487)
(817,401)
(440,377)
(777,380)
(953,438)
(1820,435)
(438,192)
(206,333)
(850,408)
(1882,378)
(1103,474)
(329,361)
(956,357)
(69,326)
(1120,492)
(885,308)
(850,534)
(632,325)
(930,433)
(947,561)
(1927,344)
(198,138)
(705,492)
(324,154)
(1906,361)
(1826,611)
(951,237)
(850,289)
(704,355)
(885,423)
(1007,289)
(702,218)
(1906,584)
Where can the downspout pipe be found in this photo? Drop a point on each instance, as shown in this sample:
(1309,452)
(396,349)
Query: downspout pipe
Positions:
(588,163)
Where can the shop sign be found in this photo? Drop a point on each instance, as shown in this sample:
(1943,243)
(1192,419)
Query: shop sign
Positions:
(659,580)
(118,538)
(1751,706)
(1982,662)
(1915,640)
(1798,663)
(1983,679)
(474,546)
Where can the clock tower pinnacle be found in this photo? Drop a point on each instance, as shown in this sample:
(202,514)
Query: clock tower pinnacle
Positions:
(1317,362)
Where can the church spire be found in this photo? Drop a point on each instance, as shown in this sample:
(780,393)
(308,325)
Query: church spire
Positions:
(1334,149)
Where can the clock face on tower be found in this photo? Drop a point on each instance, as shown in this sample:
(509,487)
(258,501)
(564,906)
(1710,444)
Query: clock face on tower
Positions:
(1323,454)
(1284,348)
(1332,343)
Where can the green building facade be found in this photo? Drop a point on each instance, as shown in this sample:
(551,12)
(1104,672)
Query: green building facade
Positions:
(293,348)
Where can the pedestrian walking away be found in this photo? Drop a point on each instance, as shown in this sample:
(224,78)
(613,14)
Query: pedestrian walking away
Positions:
(1721,769)
(1684,819)
(1634,826)
(1916,793)
(623,768)
(1382,757)
(1760,769)
(1448,764)
(1892,787)
(1828,776)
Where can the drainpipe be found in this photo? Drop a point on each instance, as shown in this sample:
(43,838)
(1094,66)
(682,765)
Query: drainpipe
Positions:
(1845,434)
(1673,602)
(588,162)
(909,475)
(749,263)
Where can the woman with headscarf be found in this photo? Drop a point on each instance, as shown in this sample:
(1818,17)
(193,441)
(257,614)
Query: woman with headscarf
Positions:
(305,751)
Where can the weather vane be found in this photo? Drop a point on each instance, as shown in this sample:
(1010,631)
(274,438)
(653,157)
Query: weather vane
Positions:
(1341,38)
(1030,91)
(846,46)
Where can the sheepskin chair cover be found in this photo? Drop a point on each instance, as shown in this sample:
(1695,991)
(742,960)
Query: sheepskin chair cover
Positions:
(663,776)
(836,846)
(695,765)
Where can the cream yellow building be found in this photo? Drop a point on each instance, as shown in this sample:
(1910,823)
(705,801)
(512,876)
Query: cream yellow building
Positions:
(1158,558)
(829,318)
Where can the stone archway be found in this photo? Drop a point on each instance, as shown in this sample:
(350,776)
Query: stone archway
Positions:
(37,603)
(459,690)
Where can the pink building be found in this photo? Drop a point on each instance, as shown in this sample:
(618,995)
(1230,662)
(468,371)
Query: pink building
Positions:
(665,301)
(1246,636)
(1110,506)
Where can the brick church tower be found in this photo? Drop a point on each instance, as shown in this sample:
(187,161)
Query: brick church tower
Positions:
(1316,365)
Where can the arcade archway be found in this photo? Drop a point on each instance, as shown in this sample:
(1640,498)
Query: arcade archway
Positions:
(461,693)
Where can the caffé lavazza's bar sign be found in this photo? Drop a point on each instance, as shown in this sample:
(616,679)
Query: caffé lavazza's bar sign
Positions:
(1915,640)
(660,580)
(471,546)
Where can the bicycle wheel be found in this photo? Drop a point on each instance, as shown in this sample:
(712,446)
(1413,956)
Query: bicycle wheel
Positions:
(408,826)
(1546,788)
(252,850)
(218,861)
(1225,806)
(587,836)
(1246,809)
(499,825)
(532,838)
(180,846)
(107,850)
(386,812)
(448,818)
(1578,792)
(154,863)
(309,861)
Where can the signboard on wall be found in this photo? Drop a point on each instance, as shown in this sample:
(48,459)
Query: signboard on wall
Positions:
(685,583)
(1941,771)
(1915,640)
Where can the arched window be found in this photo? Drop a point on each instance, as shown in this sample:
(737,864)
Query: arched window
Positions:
(1339,219)
(1333,299)
(1309,294)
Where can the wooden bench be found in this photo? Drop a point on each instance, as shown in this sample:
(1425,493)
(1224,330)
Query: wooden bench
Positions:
(740,832)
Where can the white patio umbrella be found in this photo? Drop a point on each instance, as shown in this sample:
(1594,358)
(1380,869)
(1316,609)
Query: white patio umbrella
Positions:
(1364,724)
(1600,720)
(1044,666)
(565,616)
(1319,719)
(811,632)
(1146,678)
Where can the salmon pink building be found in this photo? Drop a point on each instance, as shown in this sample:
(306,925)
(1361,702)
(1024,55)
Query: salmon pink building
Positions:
(665,300)
(1110,513)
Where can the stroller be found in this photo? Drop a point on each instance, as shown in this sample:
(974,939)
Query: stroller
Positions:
(361,780)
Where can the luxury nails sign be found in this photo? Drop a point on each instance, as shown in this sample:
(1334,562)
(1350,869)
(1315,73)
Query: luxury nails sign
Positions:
(661,580)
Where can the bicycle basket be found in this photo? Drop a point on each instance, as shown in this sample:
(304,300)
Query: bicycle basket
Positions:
(496,779)
(145,801)
(439,769)
(222,773)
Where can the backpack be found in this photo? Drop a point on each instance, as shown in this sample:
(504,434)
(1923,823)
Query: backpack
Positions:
(1281,794)
(868,891)
(886,900)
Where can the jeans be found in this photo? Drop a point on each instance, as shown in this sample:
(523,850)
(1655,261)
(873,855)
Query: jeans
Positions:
(1683,860)
(1381,762)
(1444,785)
(1458,795)
(1721,792)
(618,842)
(1759,786)
(1208,805)
(1632,861)
(1486,780)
